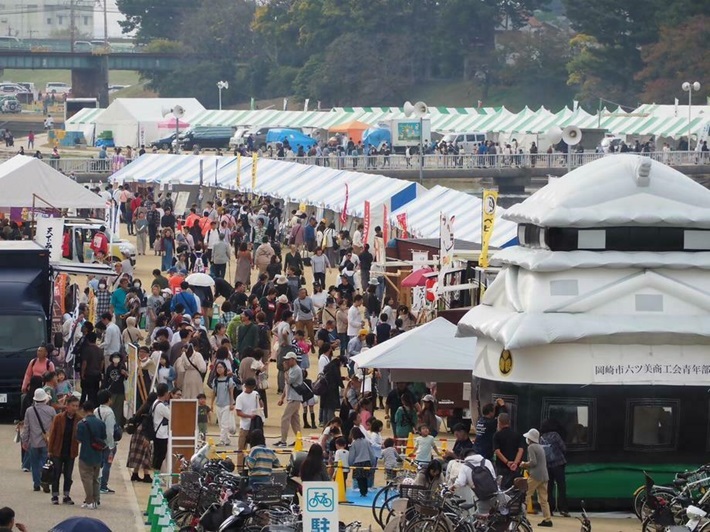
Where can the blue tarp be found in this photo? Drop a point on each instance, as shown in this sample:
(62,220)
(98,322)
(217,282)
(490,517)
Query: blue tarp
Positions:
(295,138)
(376,136)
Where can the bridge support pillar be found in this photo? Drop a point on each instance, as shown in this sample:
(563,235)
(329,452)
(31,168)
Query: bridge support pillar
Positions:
(92,83)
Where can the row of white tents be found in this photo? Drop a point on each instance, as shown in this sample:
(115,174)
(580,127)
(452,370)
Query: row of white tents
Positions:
(136,121)
(322,188)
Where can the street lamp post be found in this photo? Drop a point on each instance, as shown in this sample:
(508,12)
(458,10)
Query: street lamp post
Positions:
(222,85)
(419,110)
(689,88)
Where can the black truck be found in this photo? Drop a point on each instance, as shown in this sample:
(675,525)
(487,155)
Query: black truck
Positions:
(26,297)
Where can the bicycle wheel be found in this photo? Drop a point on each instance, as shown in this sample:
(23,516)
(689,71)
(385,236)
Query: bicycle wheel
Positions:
(639,500)
(427,524)
(387,511)
(665,494)
(523,526)
(378,504)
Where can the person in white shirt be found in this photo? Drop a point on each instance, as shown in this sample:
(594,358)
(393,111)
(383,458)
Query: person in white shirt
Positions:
(212,236)
(161,419)
(112,337)
(465,479)
(355,321)
(248,406)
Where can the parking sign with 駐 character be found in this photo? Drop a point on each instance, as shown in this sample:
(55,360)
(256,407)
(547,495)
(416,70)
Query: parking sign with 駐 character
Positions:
(320,507)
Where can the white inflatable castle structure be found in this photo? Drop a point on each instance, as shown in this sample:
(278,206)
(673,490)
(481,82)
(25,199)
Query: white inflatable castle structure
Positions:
(610,283)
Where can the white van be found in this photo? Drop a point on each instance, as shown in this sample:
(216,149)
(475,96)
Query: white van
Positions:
(465,139)
(57,87)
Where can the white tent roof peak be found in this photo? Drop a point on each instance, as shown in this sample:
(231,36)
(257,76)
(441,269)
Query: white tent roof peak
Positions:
(616,190)
(27,181)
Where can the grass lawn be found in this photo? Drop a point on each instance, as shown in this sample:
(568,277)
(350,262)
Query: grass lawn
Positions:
(41,77)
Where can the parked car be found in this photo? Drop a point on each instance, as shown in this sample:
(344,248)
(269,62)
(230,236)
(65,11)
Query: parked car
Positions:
(8,88)
(163,144)
(29,86)
(83,46)
(10,104)
(206,137)
(57,88)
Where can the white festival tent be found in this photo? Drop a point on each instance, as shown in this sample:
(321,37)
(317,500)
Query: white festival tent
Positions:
(27,182)
(291,182)
(432,348)
(134,121)
(322,187)
(423,216)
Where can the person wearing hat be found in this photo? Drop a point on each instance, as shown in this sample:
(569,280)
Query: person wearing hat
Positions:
(293,378)
(537,481)
(35,434)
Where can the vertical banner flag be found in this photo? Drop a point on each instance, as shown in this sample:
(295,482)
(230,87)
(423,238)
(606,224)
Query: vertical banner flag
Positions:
(239,171)
(344,212)
(202,172)
(402,221)
(488,214)
(285,103)
(252,104)
(254,161)
(216,171)
(48,234)
(366,222)
(446,249)
(305,105)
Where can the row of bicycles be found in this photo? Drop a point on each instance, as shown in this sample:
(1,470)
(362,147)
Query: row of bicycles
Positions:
(681,506)
(211,497)
(402,506)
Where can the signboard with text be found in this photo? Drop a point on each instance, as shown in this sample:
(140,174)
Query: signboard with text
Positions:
(320,507)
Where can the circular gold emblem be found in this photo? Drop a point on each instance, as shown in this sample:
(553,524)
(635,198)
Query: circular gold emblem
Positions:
(505,362)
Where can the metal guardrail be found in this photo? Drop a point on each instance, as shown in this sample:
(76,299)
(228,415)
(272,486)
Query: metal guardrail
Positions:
(364,163)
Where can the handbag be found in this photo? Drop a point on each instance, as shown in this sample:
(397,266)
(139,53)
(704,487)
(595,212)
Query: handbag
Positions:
(320,387)
(256,423)
(117,430)
(304,391)
(262,380)
(47,474)
(96,445)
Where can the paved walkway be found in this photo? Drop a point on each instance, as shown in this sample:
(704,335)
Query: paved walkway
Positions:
(119,511)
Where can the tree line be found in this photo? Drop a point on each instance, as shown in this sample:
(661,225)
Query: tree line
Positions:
(376,52)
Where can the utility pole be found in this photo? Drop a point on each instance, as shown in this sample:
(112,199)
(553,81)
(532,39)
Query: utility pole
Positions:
(105,23)
(72,26)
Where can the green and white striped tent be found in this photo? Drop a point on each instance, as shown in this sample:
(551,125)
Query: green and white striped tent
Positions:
(664,121)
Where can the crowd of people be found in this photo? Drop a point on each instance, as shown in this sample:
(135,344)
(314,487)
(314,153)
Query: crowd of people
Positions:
(220,343)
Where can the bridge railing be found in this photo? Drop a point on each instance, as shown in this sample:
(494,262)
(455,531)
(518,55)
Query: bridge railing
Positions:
(365,163)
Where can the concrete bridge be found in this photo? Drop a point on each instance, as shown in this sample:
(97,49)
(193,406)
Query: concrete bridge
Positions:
(89,69)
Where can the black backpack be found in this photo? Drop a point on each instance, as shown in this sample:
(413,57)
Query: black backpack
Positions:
(147,423)
(484,484)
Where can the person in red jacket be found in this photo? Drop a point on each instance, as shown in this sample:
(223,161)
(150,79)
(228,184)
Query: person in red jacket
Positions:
(99,244)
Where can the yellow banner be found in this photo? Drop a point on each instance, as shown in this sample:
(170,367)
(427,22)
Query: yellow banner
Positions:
(239,171)
(488,218)
(254,160)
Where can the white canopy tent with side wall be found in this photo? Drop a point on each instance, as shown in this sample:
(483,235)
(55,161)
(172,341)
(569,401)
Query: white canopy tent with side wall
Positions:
(134,121)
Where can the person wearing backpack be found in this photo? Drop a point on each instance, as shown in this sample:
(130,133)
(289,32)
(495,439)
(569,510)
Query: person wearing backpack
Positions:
(478,474)
(537,482)
(555,449)
(159,419)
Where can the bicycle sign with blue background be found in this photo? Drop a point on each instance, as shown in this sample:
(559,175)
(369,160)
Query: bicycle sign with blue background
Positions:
(320,507)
